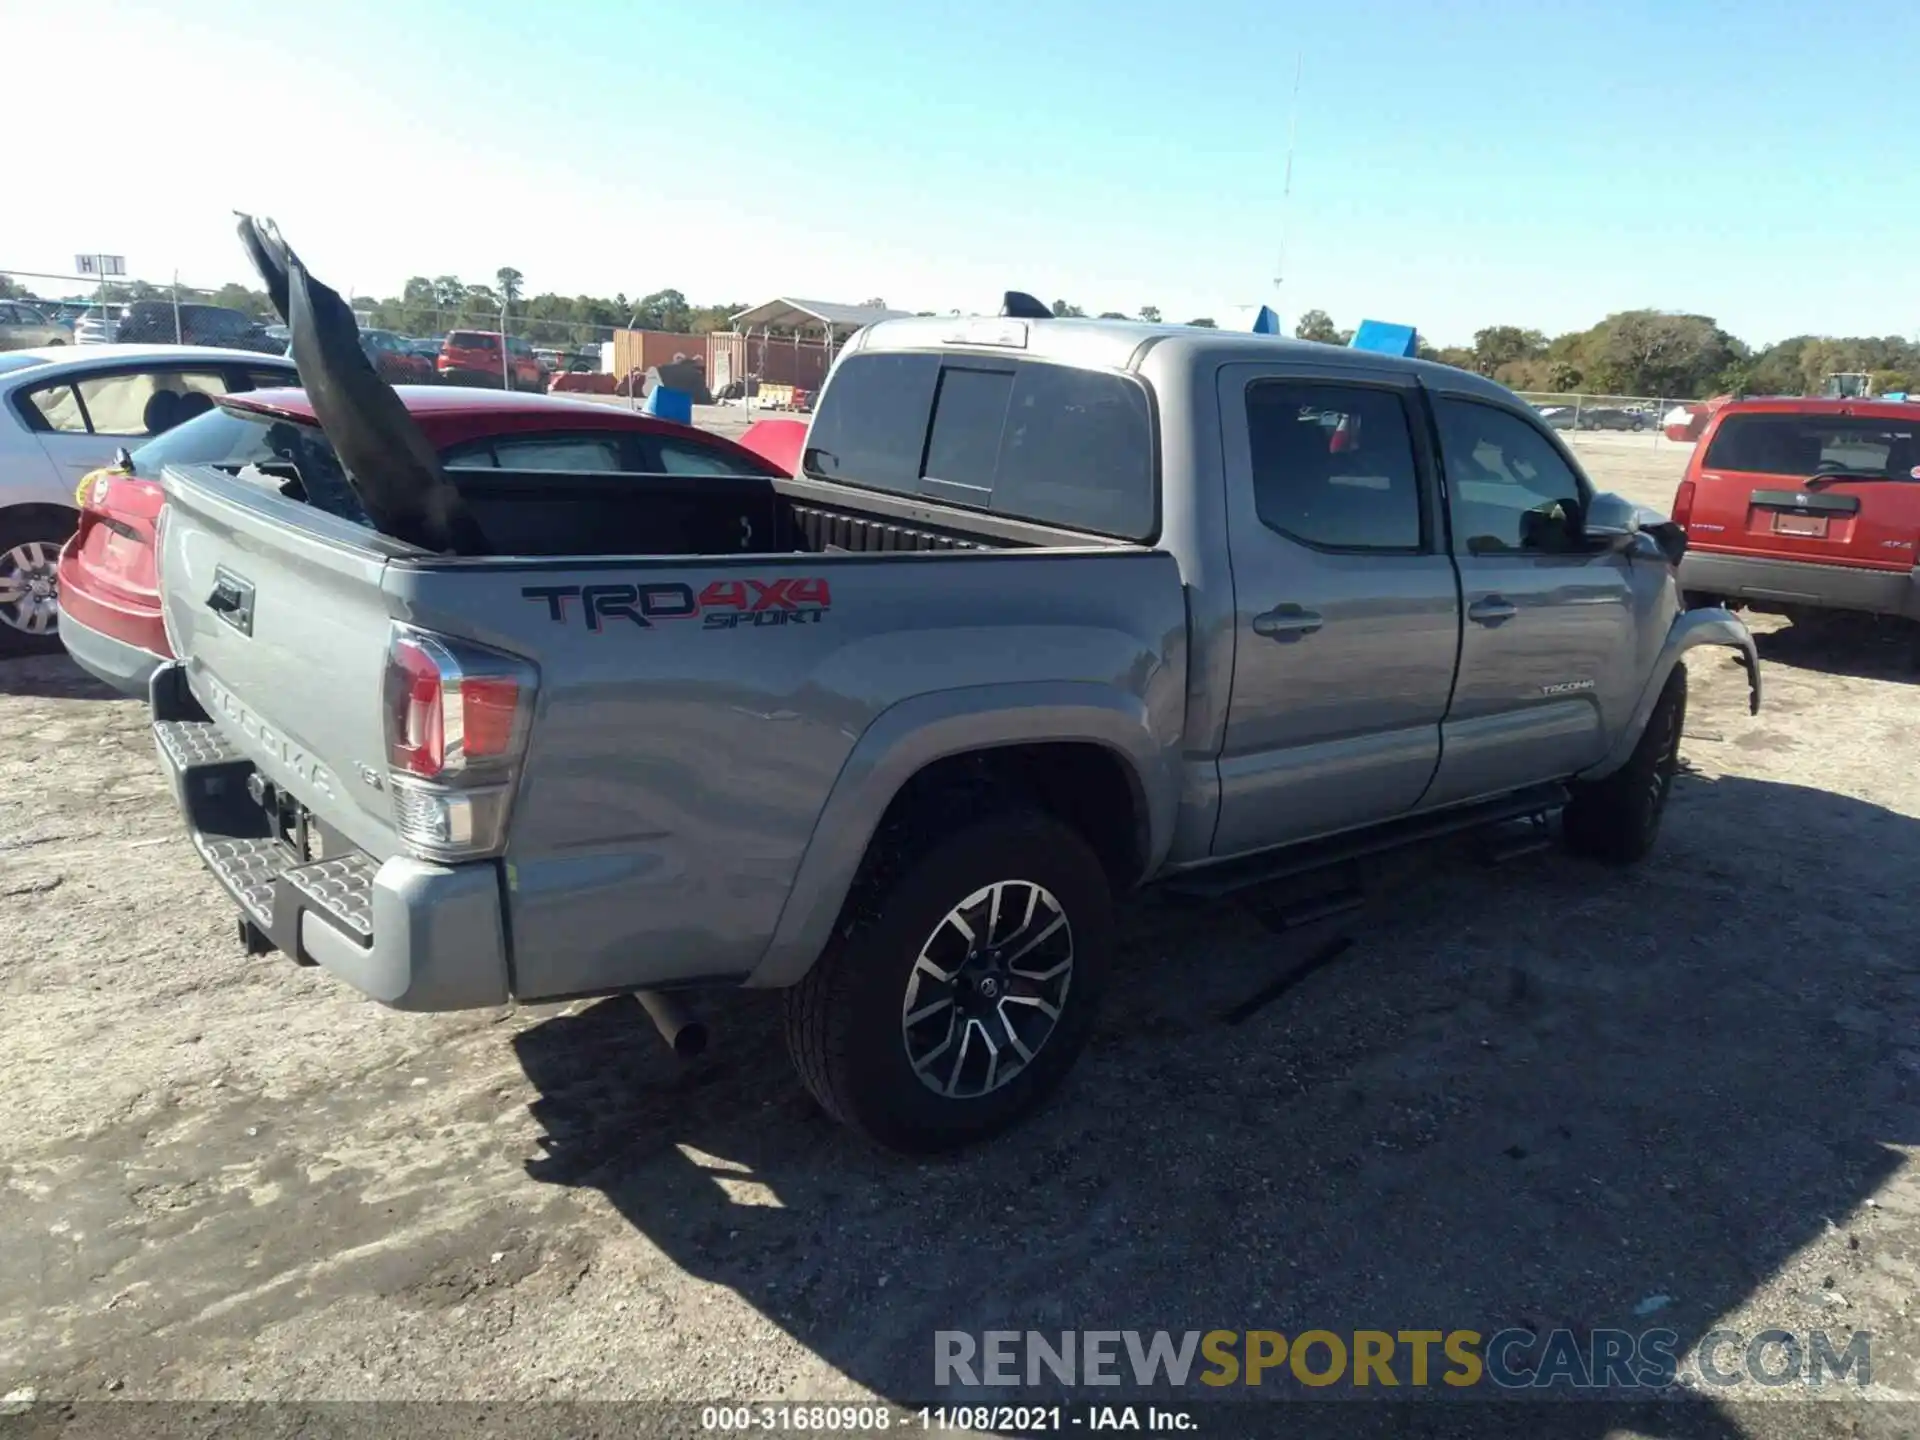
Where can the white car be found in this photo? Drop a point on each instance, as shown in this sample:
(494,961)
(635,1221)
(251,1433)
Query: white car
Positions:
(95,326)
(64,411)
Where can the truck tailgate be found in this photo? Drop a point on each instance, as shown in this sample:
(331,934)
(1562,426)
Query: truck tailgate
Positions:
(275,609)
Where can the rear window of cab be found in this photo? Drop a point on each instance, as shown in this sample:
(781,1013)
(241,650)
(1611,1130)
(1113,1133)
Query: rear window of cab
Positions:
(1024,439)
(472,340)
(1809,445)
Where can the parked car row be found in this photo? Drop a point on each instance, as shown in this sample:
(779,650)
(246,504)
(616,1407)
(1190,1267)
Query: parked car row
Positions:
(461,357)
(67,411)
(23,326)
(162,322)
(1599,417)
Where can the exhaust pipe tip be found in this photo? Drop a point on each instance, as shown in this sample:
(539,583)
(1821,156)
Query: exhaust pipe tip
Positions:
(684,1033)
(690,1041)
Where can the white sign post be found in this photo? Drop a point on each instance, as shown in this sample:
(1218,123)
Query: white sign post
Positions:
(101,266)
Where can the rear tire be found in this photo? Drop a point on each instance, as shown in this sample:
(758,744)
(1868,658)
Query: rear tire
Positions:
(1617,819)
(30,541)
(920,939)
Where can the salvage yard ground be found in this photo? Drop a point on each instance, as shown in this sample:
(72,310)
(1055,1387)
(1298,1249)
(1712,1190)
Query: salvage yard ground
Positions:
(1542,1093)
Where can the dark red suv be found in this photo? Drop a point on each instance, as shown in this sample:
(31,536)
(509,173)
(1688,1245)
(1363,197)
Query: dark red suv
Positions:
(472,357)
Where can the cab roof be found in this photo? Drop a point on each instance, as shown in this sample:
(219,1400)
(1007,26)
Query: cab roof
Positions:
(1125,344)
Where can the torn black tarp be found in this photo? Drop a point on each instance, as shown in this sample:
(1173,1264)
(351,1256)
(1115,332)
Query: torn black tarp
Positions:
(392,466)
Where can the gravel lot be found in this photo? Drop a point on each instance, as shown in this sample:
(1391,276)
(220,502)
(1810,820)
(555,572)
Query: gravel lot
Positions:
(1538,1093)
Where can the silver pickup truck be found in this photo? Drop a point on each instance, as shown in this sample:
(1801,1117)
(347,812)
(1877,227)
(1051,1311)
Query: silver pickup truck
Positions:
(1057,608)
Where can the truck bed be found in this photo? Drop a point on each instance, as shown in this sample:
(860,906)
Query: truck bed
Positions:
(543,513)
(698,699)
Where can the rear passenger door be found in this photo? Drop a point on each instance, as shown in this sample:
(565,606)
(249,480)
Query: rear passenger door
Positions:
(1549,634)
(1346,614)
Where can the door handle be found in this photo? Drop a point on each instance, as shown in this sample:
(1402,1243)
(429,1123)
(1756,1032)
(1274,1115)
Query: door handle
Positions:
(232,600)
(1492,610)
(1287,623)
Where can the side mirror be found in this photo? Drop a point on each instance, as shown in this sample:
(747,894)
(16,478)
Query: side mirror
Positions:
(1611,521)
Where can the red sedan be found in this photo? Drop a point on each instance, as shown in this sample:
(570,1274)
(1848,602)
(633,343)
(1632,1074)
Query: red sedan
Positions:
(109,596)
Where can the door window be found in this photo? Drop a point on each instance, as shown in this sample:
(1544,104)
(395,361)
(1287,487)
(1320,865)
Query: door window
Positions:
(136,403)
(1333,466)
(676,458)
(871,428)
(593,453)
(1509,489)
(58,407)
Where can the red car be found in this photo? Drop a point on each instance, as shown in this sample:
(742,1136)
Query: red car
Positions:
(1793,505)
(395,363)
(780,441)
(109,597)
(472,357)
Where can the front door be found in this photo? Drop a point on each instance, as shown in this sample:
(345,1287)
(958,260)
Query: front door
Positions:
(1547,655)
(1346,610)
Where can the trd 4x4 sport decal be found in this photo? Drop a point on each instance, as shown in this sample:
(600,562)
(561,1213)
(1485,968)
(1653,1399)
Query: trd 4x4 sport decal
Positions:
(722,605)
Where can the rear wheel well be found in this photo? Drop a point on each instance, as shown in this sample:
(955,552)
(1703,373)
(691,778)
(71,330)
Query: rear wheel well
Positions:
(1085,786)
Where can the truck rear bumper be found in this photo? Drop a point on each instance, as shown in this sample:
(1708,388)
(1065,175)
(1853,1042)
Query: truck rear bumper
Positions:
(408,933)
(1761,581)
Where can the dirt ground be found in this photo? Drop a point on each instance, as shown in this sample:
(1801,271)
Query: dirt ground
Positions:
(1541,1093)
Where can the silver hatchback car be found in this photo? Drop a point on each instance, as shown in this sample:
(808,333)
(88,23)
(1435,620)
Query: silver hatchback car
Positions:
(64,411)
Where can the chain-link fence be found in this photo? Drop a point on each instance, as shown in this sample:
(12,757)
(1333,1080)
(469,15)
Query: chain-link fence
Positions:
(1582,417)
(41,309)
(418,341)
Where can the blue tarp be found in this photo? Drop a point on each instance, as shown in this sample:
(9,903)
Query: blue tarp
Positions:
(669,405)
(1387,339)
(1252,319)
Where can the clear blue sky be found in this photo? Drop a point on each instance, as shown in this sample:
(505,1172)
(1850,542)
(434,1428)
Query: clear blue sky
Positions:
(1458,164)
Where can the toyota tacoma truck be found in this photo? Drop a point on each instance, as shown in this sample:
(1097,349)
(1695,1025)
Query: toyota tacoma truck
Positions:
(1054,609)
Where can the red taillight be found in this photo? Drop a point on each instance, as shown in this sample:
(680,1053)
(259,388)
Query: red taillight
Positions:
(491,704)
(1683,504)
(416,733)
(451,706)
(457,717)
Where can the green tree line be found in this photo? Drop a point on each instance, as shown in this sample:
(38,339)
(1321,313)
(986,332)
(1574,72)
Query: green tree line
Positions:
(1657,353)
(1632,352)
(428,306)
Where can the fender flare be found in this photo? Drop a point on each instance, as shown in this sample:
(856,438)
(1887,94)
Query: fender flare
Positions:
(914,733)
(1709,625)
